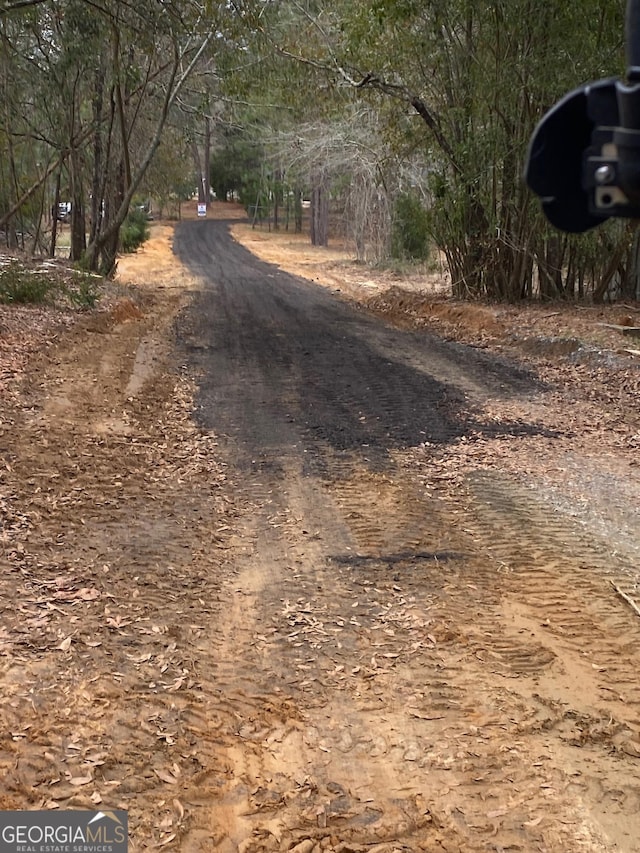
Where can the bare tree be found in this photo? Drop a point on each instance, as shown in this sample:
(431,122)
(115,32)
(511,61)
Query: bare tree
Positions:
(92,89)
(344,158)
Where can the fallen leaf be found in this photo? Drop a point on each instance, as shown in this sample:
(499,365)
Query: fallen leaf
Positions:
(497,813)
(78,781)
(88,594)
(165,777)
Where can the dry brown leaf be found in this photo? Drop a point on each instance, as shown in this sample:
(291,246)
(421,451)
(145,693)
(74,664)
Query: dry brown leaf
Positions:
(497,813)
(78,781)
(143,658)
(164,776)
(308,845)
(88,594)
(420,716)
(274,827)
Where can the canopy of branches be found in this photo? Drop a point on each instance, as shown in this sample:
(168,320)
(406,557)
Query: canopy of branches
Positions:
(408,120)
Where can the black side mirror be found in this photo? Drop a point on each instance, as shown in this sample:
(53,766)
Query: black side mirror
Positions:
(584,156)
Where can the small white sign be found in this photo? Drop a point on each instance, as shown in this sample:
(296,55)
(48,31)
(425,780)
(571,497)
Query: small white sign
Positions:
(202,209)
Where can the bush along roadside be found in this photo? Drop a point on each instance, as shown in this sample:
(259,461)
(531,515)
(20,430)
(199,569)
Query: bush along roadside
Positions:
(135,230)
(24,285)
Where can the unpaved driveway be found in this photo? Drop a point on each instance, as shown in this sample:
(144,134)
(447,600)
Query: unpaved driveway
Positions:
(362,606)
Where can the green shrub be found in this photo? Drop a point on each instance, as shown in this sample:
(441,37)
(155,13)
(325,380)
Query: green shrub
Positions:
(20,285)
(134,231)
(83,290)
(410,236)
(23,286)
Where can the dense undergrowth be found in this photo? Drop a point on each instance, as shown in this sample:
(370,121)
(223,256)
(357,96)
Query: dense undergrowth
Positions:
(21,284)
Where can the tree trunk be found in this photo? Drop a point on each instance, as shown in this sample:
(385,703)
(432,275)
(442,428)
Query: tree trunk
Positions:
(276,202)
(110,243)
(297,204)
(78,224)
(54,210)
(631,281)
(38,247)
(12,234)
(203,164)
(551,286)
(320,212)
(207,159)
(98,158)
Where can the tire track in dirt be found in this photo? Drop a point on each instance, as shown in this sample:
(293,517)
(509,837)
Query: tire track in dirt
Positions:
(431,752)
(286,788)
(383,689)
(555,586)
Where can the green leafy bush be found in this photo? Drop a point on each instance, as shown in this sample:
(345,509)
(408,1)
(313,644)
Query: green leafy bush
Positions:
(20,285)
(23,286)
(410,237)
(83,290)
(134,231)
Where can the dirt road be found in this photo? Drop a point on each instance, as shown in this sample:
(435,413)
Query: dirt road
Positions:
(381,597)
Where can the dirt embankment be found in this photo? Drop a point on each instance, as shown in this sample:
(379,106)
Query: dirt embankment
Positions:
(107,582)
